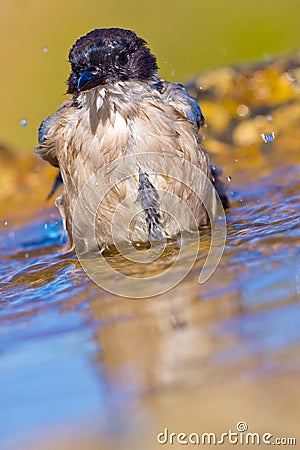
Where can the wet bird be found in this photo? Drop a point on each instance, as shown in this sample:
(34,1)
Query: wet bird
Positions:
(119,107)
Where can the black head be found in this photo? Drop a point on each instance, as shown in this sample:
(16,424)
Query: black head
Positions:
(108,55)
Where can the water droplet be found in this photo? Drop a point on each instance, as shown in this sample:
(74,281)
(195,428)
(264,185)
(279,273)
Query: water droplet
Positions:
(242,110)
(23,123)
(165,61)
(26,255)
(236,160)
(269,117)
(5,223)
(45,49)
(268,137)
(229,178)
(200,88)
(45,226)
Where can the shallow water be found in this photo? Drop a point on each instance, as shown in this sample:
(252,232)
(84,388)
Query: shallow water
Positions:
(78,362)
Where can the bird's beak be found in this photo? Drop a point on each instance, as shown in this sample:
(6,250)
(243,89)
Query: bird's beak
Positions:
(88,80)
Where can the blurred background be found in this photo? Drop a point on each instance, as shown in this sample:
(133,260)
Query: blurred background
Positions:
(187,37)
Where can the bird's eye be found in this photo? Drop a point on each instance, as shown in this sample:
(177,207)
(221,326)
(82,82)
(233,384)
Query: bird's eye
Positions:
(123,59)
